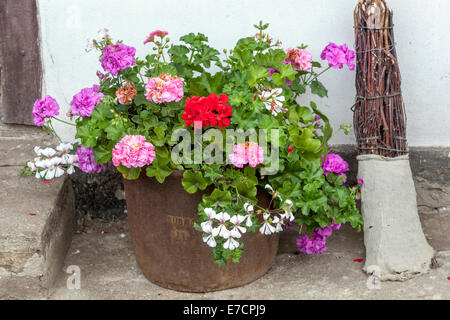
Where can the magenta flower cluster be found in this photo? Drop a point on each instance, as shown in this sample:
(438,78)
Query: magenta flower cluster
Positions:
(84,102)
(117,57)
(335,164)
(337,56)
(44,108)
(86,161)
(316,244)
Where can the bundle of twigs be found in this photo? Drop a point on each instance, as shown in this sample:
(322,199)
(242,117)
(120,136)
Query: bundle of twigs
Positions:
(379,115)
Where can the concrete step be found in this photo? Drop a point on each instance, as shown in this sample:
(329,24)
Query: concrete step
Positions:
(36,219)
(108,270)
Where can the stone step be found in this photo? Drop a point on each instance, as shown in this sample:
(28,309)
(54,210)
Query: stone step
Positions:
(36,219)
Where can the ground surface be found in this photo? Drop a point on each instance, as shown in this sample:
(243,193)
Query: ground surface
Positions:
(109,270)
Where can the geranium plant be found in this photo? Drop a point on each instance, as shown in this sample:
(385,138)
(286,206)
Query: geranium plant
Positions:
(137,113)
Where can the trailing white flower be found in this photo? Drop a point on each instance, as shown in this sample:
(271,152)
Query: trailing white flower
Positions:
(231,243)
(250,211)
(70,170)
(211,234)
(237,220)
(267,228)
(222,230)
(211,214)
(269,187)
(52,163)
(64,147)
(278,224)
(248,207)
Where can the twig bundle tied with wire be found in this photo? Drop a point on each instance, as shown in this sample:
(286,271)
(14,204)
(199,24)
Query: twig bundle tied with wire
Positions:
(379,115)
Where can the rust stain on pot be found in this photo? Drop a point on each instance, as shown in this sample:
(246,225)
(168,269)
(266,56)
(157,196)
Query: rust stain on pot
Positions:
(172,254)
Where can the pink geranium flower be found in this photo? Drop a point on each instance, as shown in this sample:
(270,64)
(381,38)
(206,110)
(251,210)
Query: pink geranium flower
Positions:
(247,153)
(164,88)
(133,151)
(156,33)
(300,59)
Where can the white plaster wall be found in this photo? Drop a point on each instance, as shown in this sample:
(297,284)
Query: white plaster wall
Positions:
(422,30)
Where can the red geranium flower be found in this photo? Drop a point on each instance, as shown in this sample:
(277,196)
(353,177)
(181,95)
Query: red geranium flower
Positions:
(210,110)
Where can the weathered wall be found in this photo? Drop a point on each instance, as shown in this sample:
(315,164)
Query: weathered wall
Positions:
(422,34)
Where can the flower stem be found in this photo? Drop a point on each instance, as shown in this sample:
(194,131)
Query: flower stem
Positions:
(316,76)
(60,120)
(52,129)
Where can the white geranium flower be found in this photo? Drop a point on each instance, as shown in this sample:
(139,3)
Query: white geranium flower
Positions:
(287,215)
(211,214)
(278,224)
(64,147)
(102,33)
(222,230)
(288,203)
(248,218)
(70,170)
(48,152)
(38,150)
(68,158)
(90,45)
(51,168)
(238,229)
(274,194)
(31,166)
(211,234)
(267,228)
(231,243)
(46,165)
(287,207)
(269,187)
(248,221)
(248,207)
(273,100)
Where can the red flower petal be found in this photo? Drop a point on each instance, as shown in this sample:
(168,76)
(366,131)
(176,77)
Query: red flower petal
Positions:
(32,214)
(290,149)
(358,260)
(448,278)
(48,181)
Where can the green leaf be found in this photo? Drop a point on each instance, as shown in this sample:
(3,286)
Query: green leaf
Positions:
(218,197)
(192,181)
(102,154)
(318,88)
(179,54)
(160,172)
(257,73)
(306,140)
(287,72)
(129,173)
(140,99)
(88,135)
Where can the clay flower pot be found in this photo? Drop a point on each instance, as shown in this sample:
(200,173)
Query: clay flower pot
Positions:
(172,254)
